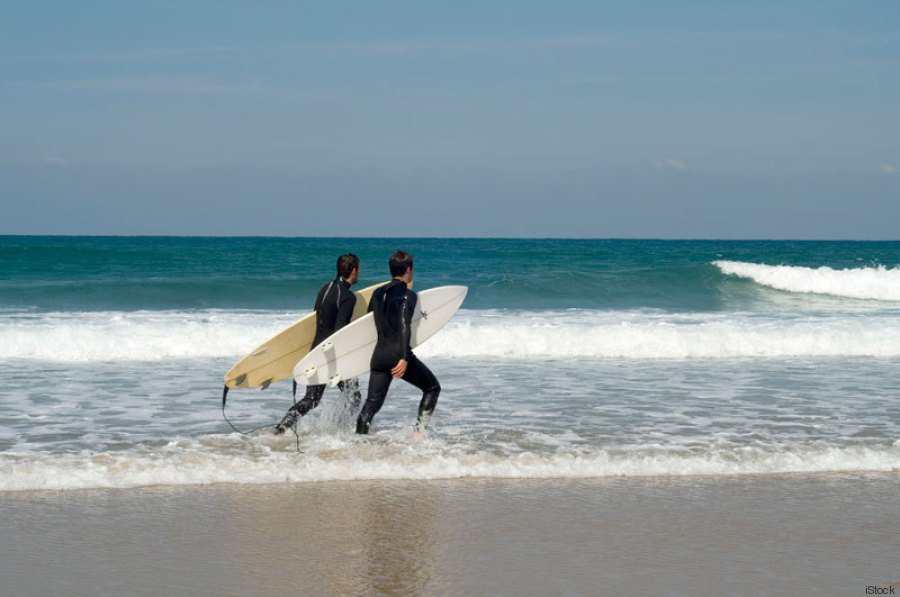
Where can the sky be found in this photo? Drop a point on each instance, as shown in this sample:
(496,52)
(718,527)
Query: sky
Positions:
(456,119)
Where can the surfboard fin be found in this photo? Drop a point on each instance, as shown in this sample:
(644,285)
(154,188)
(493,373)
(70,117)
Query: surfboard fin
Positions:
(265,385)
(240,379)
(335,380)
(310,372)
(327,346)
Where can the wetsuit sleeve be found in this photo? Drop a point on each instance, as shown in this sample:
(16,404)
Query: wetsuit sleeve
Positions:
(406,313)
(345,312)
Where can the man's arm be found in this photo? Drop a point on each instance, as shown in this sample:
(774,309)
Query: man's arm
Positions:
(345,312)
(406,312)
(321,296)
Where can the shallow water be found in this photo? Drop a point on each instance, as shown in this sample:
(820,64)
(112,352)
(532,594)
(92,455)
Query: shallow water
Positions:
(579,359)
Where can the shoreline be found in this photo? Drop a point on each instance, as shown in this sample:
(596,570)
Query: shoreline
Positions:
(638,478)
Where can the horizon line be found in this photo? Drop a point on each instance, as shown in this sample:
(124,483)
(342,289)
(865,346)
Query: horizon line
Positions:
(451,237)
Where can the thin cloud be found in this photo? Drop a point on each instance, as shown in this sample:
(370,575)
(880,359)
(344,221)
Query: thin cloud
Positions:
(155,84)
(470,45)
(410,46)
(384,47)
(673,163)
(145,54)
(495,44)
(53,160)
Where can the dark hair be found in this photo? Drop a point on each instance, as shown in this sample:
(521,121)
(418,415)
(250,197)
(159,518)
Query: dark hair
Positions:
(346,264)
(399,262)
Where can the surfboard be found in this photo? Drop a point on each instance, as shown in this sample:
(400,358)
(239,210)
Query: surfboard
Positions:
(346,353)
(274,359)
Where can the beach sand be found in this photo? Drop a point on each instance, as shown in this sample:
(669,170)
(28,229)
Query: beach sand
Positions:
(750,535)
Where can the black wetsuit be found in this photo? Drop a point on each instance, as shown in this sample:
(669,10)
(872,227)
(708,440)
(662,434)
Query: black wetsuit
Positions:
(393,306)
(334,308)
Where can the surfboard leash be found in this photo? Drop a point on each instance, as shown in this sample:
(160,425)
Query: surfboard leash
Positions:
(224,416)
(293,427)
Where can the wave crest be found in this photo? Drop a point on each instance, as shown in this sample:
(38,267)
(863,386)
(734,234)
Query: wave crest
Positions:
(871,283)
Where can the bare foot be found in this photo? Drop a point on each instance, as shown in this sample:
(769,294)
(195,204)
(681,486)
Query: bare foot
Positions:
(416,436)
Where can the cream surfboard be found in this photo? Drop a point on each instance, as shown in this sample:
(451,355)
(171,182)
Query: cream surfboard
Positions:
(274,359)
(347,352)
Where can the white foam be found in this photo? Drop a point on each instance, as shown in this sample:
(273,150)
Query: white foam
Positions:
(155,336)
(642,335)
(137,336)
(192,462)
(872,283)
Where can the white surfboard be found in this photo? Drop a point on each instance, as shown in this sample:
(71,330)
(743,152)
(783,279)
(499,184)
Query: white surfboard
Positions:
(346,353)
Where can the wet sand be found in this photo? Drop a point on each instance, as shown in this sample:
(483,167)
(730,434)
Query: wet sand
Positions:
(754,535)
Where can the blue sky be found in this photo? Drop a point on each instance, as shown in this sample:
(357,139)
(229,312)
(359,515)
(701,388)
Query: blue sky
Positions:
(565,119)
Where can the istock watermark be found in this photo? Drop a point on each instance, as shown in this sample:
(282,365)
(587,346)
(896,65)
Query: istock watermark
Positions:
(888,589)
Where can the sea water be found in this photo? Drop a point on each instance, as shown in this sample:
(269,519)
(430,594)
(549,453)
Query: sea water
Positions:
(569,358)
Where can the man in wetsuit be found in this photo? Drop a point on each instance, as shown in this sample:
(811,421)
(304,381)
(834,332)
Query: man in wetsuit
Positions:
(393,306)
(334,308)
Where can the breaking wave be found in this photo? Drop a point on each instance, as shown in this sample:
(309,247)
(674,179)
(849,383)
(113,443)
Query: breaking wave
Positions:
(872,283)
(227,459)
(158,336)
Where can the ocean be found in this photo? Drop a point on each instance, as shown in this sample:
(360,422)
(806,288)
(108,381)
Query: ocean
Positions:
(570,359)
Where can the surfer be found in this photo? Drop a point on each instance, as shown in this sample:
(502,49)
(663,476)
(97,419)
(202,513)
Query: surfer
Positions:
(334,308)
(393,306)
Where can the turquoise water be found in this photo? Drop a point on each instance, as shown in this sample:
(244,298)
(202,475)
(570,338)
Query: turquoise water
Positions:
(578,358)
(146,273)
